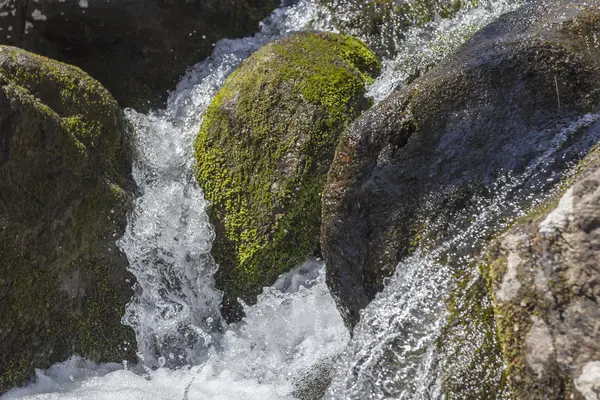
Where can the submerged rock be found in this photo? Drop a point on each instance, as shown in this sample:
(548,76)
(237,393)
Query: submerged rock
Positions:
(383,24)
(264,149)
(136,48)
(65,185)
(515,93)
(544,278)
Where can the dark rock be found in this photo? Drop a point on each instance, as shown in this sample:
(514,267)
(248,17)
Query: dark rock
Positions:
(264,150)
(136,48)
(313,384)
(423,152)
(383,24)
(65,189)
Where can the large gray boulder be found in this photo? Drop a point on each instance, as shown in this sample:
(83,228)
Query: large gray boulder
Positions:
(65,189)
(496,106)
(136,48)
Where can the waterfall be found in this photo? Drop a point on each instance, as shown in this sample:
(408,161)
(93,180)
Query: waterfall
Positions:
(175,311)
(294,332)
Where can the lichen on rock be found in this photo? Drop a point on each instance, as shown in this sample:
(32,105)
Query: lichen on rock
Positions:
(65,189)
(548,331)
(264,149)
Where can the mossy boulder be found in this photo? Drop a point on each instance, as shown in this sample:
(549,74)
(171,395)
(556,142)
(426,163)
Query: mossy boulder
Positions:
(65,189)
(138,49)
(512,101)
(265,147)
(383,24)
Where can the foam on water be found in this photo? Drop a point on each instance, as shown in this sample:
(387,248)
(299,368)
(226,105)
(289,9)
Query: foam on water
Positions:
(292,328)
(175,312)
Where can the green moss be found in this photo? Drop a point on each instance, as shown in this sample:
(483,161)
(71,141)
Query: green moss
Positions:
(586,23)
(264,148)
(513,322)
(474,365)
(63,171)
(74,89)
(16,369)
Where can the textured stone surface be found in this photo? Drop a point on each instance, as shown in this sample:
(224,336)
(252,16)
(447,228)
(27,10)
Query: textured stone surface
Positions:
(550,330)
(65,189)
(422,153)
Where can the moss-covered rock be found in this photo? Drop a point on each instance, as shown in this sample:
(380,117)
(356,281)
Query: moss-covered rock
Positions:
(383,24)
(65,189)
(138,49)
(265,147)
(473,364)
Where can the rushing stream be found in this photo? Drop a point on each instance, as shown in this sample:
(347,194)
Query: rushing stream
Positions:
(293,341)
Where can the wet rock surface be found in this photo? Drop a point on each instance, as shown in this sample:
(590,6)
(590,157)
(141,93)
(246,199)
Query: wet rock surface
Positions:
(65,189)
(507,96)
(548,325)
(383,24)
(136,48)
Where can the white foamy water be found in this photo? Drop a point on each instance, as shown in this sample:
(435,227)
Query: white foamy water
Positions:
(293,327)
(393,353)
(289,340)
(175,312)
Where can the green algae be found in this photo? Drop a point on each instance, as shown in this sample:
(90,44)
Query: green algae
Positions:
(474,366)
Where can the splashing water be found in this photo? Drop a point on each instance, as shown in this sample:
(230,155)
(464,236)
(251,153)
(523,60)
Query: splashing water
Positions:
(289,341)
(393,354)
(424,47)
(395,351)
(175,309)
(175,312)
(292,328)
(167,243)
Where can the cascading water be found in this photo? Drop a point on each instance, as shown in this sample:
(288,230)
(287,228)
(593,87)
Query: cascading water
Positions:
(290,339)
(175,312)
(293,328)
(395,351)
(423,47)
